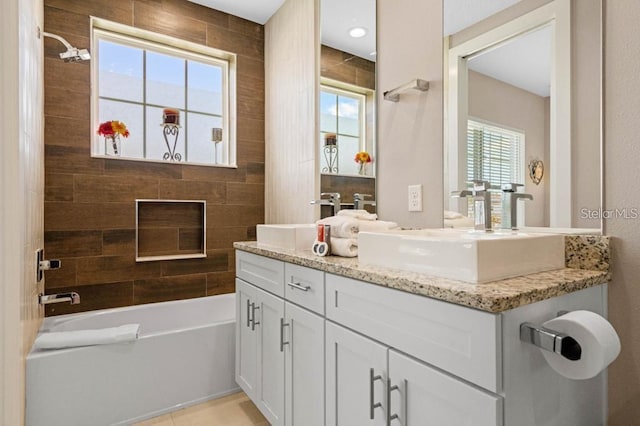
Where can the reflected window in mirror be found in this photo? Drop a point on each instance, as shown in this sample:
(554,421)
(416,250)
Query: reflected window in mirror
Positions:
(343,128)
(494,154)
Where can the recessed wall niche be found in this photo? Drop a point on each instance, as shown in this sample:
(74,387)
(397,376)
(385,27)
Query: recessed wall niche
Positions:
(170,229)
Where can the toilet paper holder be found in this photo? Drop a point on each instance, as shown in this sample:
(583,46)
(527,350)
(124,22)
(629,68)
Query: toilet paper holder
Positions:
(551,340)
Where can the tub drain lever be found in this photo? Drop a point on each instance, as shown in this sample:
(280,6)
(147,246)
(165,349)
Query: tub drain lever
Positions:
(551,341)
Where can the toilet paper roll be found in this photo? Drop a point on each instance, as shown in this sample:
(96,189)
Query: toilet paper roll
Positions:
(599,342)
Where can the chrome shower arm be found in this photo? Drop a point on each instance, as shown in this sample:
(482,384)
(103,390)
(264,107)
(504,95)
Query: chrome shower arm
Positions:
(60,39)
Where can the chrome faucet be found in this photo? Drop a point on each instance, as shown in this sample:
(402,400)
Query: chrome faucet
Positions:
(481,204)
(510,198)
(329,199)
(359,201)
(72,297)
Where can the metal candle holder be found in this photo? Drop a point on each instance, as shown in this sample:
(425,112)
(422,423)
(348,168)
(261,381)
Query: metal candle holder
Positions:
(171,130)
(216,138)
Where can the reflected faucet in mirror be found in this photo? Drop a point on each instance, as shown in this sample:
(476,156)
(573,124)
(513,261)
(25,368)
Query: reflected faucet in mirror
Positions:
(510,198)
(329,199)
(359,201)
(481,203)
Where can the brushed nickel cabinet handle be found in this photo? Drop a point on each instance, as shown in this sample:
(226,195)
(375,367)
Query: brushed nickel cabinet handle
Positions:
(248,313)
(299,286)
(282,326)
(390,417)
(372,404)
(254,308)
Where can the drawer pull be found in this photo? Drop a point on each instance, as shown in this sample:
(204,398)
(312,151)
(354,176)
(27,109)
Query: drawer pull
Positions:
(248,313)
(282,326)
(299,286)
(373,405)
(390,388)
(254,308)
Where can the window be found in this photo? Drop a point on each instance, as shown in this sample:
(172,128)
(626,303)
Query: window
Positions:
(494,154)
(136,79)
(343,112)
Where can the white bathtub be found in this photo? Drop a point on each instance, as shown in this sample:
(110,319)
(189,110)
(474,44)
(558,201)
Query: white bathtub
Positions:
(185,355)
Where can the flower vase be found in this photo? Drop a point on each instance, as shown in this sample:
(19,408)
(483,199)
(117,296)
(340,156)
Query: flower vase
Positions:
(361,169)
(112,145)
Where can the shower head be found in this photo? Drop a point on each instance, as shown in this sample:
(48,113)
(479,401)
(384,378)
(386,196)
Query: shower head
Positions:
(72,54)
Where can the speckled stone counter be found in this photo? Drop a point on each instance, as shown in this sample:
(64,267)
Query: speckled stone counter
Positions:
(496,296)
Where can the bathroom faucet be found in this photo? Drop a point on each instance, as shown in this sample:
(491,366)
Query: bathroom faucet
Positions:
(332,200)
(359,201)
(510,204)
(481,203)
(72,297)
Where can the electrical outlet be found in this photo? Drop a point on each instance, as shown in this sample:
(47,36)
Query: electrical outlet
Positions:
(415,198)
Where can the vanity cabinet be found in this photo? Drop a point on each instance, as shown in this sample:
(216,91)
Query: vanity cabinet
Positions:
(280,345)
(316,348)
(260,366)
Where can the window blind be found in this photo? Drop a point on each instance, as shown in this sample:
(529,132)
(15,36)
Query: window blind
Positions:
(496,155)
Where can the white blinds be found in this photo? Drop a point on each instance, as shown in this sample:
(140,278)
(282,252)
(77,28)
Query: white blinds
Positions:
(496,155)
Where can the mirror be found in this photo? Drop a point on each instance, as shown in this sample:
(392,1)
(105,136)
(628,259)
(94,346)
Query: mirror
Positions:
(347,107)
(523,105)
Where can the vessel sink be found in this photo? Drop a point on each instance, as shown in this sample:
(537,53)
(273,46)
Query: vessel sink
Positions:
(471,256)
(287,236)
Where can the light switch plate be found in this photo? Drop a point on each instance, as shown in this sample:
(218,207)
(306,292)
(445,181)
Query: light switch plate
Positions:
(415,198)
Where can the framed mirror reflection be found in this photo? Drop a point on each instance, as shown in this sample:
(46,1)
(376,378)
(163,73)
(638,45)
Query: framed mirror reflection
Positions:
(523,111)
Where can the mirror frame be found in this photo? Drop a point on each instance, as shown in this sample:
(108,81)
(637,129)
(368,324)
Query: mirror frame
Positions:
(558,15)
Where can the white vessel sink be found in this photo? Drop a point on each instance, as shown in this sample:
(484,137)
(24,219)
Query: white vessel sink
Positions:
(471,256)
(287,236)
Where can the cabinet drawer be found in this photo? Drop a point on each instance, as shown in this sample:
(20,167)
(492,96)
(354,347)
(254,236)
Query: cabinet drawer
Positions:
(462,341)
(268,274)
(304,287)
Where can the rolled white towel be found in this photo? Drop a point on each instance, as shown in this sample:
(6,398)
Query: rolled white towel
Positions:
(345,247)
(341,226)
(71,339)
(376,225)
(358,214)
(448,214)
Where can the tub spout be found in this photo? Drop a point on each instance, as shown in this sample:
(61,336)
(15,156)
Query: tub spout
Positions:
(72,297)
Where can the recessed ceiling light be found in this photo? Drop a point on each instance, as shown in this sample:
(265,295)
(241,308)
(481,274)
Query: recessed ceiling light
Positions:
(357,32)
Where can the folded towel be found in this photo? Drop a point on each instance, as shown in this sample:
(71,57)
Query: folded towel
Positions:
(358,214)
(448,214)
(341,226)
(376,225)
(462,222)
(345,247)
(71,339)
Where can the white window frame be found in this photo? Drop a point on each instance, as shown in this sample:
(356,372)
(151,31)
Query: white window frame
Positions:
(363,94)
(122,34)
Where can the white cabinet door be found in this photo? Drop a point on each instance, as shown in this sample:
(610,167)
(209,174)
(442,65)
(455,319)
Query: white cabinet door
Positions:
(423,396)
(269,312)
(355,378)
(304,367)
(246,340)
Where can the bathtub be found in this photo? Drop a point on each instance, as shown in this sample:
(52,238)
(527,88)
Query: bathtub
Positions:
(185,355)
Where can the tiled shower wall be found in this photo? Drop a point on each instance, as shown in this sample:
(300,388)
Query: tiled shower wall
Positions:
(89,202)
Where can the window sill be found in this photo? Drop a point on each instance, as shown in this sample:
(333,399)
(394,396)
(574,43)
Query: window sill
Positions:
(179,163)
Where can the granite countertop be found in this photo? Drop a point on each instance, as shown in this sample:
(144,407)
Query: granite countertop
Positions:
(496,296)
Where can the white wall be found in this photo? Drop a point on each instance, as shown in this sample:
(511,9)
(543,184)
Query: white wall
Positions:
(410,131)
(503,104)
(21,196)
(621,178)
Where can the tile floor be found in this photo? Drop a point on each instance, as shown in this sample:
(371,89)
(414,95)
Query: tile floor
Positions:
(232,410)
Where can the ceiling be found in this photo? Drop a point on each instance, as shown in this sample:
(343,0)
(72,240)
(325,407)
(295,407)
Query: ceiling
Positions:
(528,69)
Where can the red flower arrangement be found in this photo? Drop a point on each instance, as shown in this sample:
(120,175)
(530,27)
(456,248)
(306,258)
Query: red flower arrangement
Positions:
(113,128)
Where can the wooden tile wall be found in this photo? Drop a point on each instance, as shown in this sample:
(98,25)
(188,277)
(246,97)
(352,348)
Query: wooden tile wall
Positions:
(90,203)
